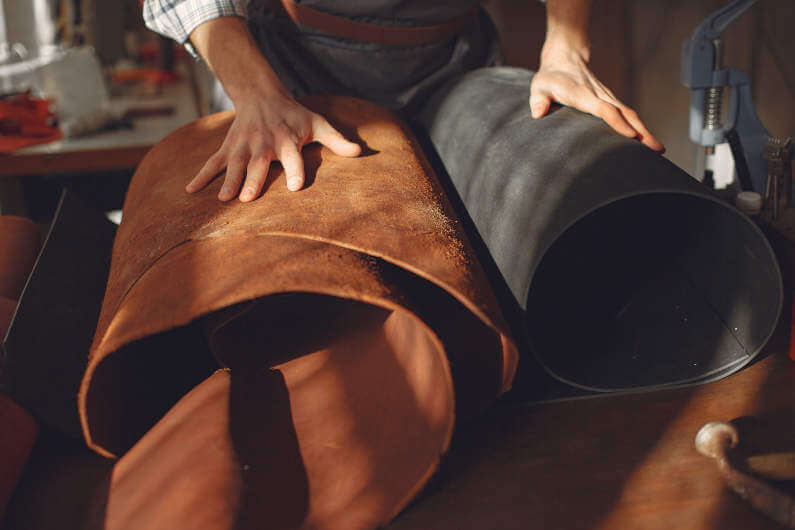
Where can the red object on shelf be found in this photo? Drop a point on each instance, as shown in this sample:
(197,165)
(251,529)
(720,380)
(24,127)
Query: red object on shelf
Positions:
(24,121)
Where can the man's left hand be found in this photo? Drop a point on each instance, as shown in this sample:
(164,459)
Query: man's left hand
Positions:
(564,77)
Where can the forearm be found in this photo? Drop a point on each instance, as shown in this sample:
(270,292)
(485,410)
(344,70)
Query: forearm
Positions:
(567,28)
(229,50)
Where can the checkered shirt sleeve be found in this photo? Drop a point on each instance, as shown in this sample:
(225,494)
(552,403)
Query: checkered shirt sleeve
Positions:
(178,18)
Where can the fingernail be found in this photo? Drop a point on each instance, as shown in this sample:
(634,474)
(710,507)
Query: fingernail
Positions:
(294,184)
(247,195)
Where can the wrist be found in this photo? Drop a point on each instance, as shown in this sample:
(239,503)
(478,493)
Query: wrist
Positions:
(261,84)
(565,45)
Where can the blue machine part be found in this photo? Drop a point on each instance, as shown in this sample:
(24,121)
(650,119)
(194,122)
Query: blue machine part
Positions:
(703,73)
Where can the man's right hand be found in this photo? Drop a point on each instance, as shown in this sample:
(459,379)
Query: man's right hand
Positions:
(269,125)
(263,132)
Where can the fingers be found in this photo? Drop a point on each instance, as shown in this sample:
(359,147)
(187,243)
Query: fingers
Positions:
(611,115)
(325,134)
(581,90)
(628,115)
(256,174)
(581,98)
(539,103)
(234,177)
(293,164)
(644,135)
(214,165)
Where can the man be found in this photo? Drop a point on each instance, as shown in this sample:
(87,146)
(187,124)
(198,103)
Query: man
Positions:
(265,63)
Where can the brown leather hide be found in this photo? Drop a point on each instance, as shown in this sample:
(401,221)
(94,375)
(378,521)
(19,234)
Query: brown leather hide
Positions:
(353,316)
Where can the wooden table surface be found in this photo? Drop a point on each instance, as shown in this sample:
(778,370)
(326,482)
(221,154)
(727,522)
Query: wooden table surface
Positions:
(624,462)
(618,462)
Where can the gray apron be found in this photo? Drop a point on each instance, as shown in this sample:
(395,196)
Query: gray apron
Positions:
(399,78)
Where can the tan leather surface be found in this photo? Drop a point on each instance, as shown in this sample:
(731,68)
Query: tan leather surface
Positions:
(168,476)
(361,292)
(18,433)
(19,245)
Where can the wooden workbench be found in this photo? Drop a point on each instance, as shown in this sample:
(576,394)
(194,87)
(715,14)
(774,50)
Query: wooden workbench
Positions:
(624,462)
(612,462)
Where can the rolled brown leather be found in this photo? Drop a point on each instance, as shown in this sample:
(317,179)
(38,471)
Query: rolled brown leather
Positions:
(353,316)
(19,245)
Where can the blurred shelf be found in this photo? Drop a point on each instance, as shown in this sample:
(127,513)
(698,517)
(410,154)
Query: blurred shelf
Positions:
(111,150)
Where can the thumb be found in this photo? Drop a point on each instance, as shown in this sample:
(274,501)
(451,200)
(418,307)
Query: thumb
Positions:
(334,140)
(539,103)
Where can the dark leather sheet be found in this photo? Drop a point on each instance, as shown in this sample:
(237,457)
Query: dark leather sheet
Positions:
(625,272)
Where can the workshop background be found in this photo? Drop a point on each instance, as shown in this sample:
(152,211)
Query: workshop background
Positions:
(624,462)
(636,51)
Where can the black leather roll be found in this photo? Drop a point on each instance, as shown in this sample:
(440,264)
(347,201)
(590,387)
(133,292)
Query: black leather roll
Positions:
(629,273)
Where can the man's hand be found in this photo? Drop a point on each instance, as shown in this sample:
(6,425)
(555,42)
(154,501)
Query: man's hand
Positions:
(262,132)
(269,125)
(564,76)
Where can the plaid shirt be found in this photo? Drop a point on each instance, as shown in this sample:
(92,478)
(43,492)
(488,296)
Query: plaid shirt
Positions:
(178,18)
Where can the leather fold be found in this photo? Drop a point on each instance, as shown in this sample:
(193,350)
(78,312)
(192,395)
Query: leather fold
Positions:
(360,296)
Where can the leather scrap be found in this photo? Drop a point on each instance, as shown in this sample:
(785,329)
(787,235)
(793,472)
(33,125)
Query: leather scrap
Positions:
(360,294)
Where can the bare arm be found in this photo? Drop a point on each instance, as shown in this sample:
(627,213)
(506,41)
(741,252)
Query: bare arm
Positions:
(564,76)
(269,124)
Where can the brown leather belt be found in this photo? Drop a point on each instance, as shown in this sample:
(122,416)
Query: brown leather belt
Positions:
(374,33)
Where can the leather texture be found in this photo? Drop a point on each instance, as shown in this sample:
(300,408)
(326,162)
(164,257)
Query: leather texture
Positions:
(628,273)
(358,299)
